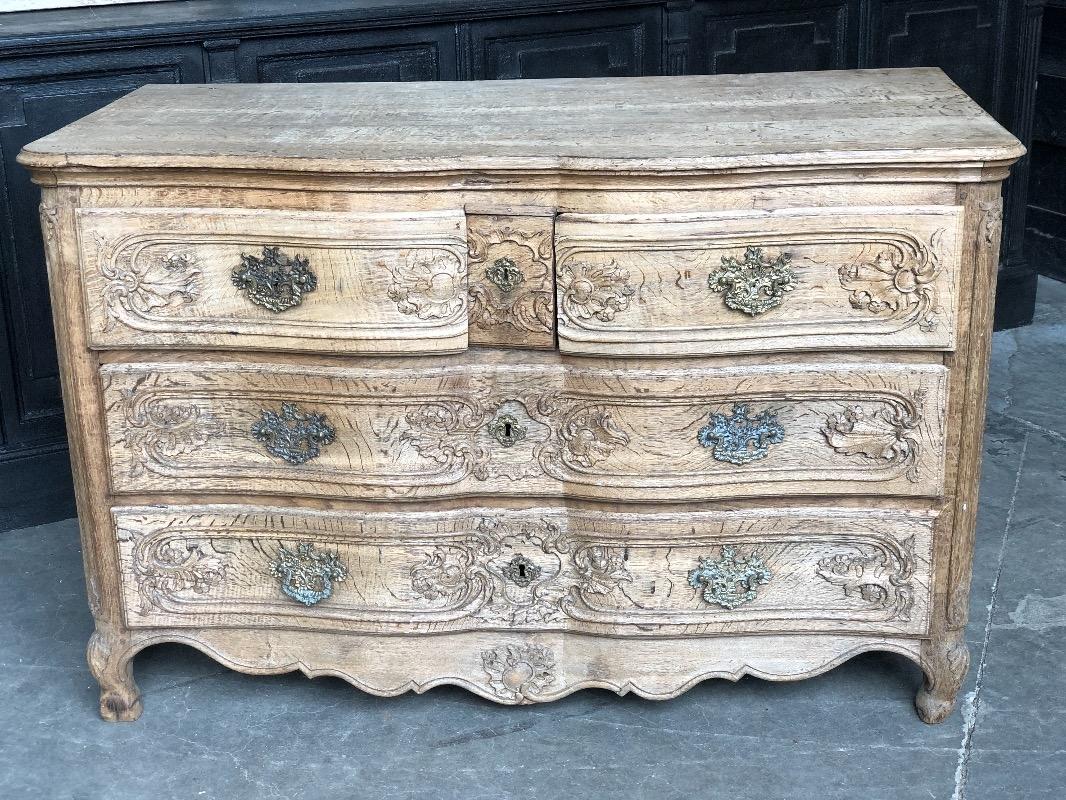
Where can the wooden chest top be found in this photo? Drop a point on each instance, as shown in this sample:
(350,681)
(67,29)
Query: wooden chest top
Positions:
(655,124)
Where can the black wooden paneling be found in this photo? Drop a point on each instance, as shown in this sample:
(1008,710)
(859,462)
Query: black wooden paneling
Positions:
(425,53)
(784,36)
(622,42)
(959,36)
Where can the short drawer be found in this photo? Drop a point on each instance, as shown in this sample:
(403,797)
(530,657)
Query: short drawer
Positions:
(738,282)
(277,280)
(695,573)
(486,426)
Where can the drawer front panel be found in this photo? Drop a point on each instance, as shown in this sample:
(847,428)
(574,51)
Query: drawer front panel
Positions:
(512,289)
(550,429)
(541,569)
(279,280)
(737,282)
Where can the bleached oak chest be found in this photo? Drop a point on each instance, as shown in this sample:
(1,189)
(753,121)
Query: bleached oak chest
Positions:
(528,386)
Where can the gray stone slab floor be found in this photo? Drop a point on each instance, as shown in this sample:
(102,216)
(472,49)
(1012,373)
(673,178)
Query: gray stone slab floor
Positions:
(851,733)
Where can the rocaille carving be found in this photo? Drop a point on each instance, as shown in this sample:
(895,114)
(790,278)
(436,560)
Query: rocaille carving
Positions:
(992,224)
(145,282)
(899,282)
(430,284)
(880,575)
(275,280)
(158,432)
(739,438)
(593,291)
(518,259)
(163,567)
(519,672)
(755,284)
(292,435)
(885,434)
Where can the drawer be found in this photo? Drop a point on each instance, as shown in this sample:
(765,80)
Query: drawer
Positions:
(542,569)
(486,426)
(278,280)
(749,281)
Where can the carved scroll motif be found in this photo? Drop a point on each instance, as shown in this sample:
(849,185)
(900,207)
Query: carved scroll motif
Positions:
(515,258)
(429,284)
(878,574)
(519,672)
(885,434)
(141,282)
(898,282)
(162,568)
(593,291)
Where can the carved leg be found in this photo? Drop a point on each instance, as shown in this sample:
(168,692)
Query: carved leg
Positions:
(111,663)
(944,661)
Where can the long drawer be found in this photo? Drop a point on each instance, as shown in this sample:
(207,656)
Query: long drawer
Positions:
(277,280)
(542,569)
(749,281)
(532,429)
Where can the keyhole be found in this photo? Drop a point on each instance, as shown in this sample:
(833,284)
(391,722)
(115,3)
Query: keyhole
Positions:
(508,430)
(522,571)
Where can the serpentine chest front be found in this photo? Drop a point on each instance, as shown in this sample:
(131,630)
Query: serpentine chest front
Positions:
(528,386)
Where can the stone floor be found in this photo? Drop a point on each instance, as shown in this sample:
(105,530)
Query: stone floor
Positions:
(210,733)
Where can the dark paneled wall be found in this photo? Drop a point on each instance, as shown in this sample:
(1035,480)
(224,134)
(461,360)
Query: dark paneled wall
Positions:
(1045,233)
(59,65)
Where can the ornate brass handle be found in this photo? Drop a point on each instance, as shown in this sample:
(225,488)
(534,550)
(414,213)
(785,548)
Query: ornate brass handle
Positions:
(756,284)
(507,430)
(731,580)
(740,439)
(306,575)
(275,280)
(293,435)
(505,274)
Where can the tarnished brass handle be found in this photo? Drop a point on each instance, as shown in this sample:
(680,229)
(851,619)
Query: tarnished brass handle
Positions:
(275,280)
(307,576)
(730,580)
(292,435)
(739,438)
(756,284)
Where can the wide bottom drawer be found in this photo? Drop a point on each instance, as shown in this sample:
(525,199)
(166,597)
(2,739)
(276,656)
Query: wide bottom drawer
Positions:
(546,569)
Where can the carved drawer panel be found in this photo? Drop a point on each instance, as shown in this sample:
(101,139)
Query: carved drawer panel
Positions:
(541,569)
(512,290)
(735,282)
(280,280)
(539,428)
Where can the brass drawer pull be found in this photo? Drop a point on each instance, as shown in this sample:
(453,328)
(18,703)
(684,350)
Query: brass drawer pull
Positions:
(275,280)
(731,580)
(756,284)
(307,576)
(292,435)
(740,439)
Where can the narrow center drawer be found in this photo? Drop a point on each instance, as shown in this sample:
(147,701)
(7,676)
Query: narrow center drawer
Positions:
(278,280)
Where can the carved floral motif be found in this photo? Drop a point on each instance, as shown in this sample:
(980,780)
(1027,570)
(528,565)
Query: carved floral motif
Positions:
(431,284)
(158,431)
(147,281)
(590,436)
(883,434)
(593,291)
(519,672)
(898,282)
(992,224)
(880,577)
(516,264)
(163,568)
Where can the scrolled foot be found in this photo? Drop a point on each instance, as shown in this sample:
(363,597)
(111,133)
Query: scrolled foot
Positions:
(110,659)
(945,662)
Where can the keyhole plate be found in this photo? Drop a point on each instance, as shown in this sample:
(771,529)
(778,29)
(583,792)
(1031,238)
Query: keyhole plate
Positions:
(521,571)
(506,430)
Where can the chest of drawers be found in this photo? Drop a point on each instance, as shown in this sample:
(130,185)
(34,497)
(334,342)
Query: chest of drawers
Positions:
(528,386)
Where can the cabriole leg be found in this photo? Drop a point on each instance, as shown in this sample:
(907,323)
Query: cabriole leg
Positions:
(110,658)
(945,661)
